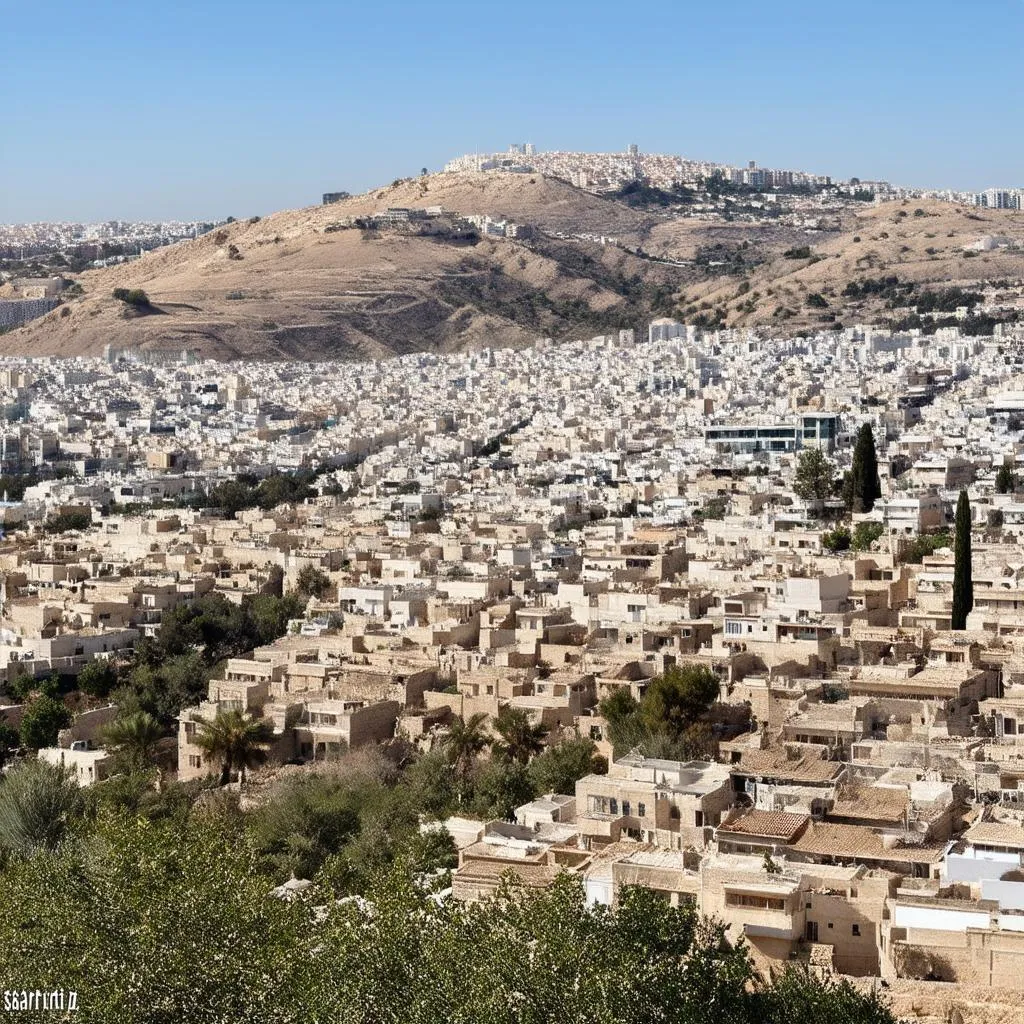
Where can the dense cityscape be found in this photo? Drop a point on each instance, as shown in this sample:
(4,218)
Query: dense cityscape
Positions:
(576,581)
(754,535)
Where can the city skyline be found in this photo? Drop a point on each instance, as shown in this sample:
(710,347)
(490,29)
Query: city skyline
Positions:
(271,113)
(512,514)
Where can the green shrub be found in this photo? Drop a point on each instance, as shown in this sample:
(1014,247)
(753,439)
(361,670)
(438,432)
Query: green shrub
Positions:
(836,540)
(132,297)
(865,535)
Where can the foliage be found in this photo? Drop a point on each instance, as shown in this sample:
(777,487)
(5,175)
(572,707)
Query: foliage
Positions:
(836,540)
(1006,480)
(864,535)
(668,721)
(169,917)
(963,587)
(890,288)
(863,487)
(923,545)
(643,196)
(156,922)
(467,739)
(133,739)
(134,792)
(43,719)
(304,821)
(714,508)
(832,694)
(500,786)
(162,685)
(97,678)
(621,710)
(562,765)
(678,697)
(798,252)
(223,629)
(39,804)
(814,473)
(519,739)
(234,741)
(132,297)
(13,485)
(23,685)
(312,582)
(245,492)
(10,740)
(947,300)
(796,997)
(68,519)
(432,785)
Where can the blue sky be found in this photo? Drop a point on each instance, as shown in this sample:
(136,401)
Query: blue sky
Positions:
(186,109)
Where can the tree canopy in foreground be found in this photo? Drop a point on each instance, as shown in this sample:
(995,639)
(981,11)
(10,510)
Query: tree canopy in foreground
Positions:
(172,920)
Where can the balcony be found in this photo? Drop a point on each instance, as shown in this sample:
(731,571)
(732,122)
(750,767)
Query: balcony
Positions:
(601,826)
(786,928)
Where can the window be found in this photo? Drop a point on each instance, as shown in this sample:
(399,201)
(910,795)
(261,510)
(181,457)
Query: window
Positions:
(614,805)
(625,808)
(195,761)
(856,929)
(742,899)
(641,810)
(698,819)
(811,933)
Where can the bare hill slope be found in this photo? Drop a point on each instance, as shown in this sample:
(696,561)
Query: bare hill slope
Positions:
(299,285)
(927,245)
(292,286)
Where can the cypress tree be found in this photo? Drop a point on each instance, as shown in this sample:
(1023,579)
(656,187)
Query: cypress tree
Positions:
(963,589)
(864,487)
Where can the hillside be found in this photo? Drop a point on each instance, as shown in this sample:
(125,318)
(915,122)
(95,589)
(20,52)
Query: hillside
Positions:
(299,284)
(292,286)
(846,278)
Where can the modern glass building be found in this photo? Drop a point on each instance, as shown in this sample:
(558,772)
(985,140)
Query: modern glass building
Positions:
(818,430)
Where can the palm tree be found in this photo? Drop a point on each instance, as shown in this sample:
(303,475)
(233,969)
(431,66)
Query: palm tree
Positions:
(466,739)
(520,738)
(236,741)
(135,737)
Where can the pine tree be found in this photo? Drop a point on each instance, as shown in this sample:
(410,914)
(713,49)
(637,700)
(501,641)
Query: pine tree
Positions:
(963,589)
(1006,481)
(864,487)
